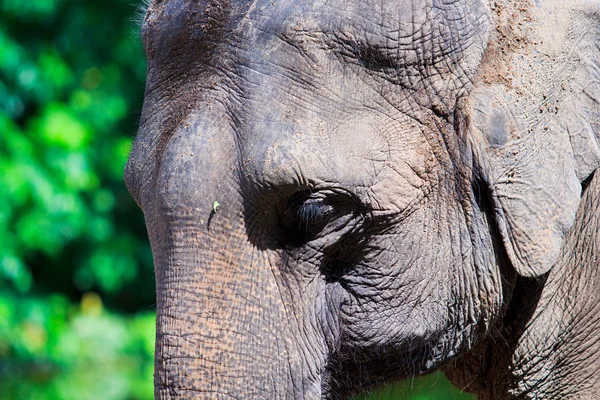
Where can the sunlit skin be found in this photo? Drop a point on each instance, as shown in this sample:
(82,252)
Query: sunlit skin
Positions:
(395,195)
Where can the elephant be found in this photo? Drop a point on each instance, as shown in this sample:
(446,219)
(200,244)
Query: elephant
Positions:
(340,194)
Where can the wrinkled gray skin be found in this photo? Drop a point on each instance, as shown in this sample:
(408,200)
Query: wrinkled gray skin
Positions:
(403,185)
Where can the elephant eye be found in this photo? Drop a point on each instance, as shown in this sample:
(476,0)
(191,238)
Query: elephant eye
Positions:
(310,214)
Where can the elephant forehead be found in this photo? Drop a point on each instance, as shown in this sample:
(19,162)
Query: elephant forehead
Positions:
(384,161)
(324,15)
(319,152)
(388,24)
(405,32)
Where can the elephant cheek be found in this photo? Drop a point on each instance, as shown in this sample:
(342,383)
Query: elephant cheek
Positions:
(223,328)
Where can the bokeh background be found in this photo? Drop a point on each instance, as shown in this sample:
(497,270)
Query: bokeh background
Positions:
(76,278)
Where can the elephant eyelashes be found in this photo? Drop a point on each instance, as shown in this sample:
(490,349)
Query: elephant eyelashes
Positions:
(312,211)
(308,214)
(305,217)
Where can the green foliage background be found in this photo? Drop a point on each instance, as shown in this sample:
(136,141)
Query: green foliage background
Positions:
(76,279)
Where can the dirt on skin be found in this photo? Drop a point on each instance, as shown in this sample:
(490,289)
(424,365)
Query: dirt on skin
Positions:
(512,35)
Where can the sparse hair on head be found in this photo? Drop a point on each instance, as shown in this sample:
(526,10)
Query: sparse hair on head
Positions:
(140,14)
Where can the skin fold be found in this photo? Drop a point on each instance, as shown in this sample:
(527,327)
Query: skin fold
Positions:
(402,186)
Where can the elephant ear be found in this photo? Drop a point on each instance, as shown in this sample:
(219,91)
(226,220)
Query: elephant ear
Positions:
(530,173)
(533,126)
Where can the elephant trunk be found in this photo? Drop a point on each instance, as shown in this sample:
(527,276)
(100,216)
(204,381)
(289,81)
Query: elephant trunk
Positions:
(222,326)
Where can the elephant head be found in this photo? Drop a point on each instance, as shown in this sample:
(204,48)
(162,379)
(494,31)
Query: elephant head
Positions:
(344,193)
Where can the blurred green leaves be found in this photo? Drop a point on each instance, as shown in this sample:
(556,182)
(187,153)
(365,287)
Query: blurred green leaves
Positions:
(66,127)
(72,242)
(431,387)
(60,350)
